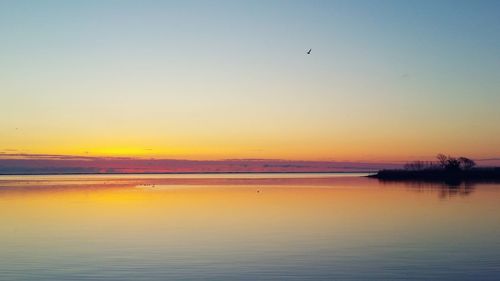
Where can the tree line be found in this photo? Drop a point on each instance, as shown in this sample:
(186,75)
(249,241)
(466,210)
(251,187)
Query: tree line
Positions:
(445,162)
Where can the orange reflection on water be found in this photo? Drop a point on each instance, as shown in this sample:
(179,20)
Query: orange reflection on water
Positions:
(186,220)
(222,205)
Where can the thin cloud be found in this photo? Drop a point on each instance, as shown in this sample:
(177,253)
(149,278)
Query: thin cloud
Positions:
(23,163)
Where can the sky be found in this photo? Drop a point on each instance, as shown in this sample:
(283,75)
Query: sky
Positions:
(205,80)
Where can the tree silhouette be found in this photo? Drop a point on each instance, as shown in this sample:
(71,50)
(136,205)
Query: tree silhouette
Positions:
(454,164)
(442,159)
(466,163)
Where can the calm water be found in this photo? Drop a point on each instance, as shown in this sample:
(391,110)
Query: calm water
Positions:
(246,227)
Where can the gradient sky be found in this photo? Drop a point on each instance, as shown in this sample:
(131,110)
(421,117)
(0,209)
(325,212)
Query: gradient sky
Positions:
(386,80)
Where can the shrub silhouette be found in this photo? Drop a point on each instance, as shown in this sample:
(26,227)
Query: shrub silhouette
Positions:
(466,163)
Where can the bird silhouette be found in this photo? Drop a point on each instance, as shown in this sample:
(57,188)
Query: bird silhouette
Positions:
(309,52)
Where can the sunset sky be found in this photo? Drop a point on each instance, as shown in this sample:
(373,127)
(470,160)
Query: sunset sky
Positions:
(385,81)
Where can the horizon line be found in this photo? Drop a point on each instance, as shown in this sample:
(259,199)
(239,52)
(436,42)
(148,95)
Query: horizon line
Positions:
(47,156)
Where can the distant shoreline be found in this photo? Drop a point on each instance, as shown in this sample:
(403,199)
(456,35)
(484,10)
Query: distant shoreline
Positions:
(186,173)
(443,175)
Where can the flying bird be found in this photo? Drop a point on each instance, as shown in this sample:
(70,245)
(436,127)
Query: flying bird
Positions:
(309,52)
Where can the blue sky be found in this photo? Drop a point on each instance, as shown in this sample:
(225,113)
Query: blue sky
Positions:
(212,79)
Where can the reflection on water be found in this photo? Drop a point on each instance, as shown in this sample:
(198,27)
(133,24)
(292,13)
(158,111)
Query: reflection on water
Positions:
(246,227)
(444,189)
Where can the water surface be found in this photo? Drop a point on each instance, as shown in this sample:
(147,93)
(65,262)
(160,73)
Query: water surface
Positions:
(246,227)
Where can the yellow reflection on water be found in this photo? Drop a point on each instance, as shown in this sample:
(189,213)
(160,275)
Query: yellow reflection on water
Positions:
(167,220)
